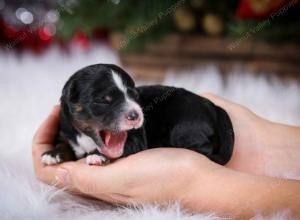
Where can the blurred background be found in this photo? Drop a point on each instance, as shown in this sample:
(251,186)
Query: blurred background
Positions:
(244,50)
(152,36)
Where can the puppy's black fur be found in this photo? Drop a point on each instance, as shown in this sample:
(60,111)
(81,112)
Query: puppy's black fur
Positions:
(179,118)
(92,101)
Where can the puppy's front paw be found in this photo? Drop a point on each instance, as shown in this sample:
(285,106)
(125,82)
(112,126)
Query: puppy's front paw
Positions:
(96,159)
(50,159)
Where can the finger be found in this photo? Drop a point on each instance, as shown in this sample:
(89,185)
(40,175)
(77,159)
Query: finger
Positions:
(42,142)
(89,179)
(215,99)
(46,173)
(105,183)
(44,136)
(47,131)
(225,104)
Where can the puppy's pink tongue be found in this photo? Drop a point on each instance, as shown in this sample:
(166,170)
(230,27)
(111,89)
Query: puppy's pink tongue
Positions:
(113,143)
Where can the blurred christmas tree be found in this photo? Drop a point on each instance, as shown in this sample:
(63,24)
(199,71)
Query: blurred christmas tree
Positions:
(131,23)
(147,20)
(272,20)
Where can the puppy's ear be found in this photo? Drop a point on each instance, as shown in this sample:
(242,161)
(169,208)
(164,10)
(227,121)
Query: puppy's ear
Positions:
(70,93)
(125,76)
(70,98)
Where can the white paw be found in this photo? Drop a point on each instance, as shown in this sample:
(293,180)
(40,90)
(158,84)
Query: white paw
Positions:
(50,160)
(95,159)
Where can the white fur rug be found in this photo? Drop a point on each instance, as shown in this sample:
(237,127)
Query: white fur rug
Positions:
(31,85)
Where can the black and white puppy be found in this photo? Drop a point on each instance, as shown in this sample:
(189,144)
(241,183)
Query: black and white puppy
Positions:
(104,116)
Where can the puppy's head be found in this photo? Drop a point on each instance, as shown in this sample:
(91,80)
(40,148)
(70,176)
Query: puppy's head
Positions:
(102,102)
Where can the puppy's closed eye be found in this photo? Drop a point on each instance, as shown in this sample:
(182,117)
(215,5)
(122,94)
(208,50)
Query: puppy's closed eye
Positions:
(106,99)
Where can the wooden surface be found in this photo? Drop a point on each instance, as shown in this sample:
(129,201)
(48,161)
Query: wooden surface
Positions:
(184,52)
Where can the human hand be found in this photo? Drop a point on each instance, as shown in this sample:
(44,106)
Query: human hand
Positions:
(250,132)
(261,146)
(156,175)
(166,175)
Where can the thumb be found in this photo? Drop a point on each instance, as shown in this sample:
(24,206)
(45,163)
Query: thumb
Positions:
(91,180)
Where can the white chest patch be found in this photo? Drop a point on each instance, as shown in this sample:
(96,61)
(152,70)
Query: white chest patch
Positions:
(84,145)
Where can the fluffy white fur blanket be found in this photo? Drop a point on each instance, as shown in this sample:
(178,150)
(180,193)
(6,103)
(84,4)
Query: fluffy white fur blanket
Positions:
(29,87)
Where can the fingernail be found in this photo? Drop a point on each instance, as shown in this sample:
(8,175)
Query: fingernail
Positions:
(62,176)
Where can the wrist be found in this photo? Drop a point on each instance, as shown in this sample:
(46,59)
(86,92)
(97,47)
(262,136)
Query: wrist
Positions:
(235,194)
(200,191)
(281,151)
(280,134)
(250,143)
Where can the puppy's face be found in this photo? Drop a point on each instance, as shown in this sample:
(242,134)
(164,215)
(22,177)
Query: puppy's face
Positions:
(103,104)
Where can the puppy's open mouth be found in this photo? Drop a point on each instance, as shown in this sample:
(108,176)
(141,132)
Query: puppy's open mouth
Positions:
(113,143)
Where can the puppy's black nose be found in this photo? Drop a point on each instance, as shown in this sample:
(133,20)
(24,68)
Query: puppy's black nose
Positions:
(132,115)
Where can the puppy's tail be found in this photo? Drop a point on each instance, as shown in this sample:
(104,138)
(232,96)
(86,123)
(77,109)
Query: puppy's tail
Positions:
(225,136)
